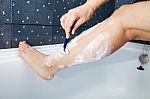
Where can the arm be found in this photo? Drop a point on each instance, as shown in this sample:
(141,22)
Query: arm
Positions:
(79,15)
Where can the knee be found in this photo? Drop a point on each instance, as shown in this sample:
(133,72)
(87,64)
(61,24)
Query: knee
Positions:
(123,10)
(121,15)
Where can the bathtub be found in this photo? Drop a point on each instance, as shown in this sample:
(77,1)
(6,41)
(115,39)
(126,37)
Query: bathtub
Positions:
(114,77)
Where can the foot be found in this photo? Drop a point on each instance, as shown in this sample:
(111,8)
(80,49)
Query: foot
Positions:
(37,60)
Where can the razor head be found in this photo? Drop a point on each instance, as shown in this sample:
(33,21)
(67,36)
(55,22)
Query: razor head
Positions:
(67,39)
(65,43)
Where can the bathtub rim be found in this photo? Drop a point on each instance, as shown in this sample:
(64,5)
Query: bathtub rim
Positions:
(13,52)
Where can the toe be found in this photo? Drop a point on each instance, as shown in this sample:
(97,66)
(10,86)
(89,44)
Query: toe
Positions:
(26,45)
(22,48)
(22,53)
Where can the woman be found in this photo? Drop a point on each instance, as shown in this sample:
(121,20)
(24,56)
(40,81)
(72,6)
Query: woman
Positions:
(129,22)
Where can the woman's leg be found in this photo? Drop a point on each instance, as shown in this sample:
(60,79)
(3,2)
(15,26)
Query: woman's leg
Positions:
(140,34)
(95,43)
(136,17)
(105,37)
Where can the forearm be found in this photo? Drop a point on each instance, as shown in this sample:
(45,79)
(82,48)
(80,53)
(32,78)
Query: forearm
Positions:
(96,3)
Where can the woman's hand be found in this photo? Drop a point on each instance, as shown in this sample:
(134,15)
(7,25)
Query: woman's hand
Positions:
(76,17)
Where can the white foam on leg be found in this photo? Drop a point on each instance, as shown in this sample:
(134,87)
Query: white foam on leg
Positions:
(98,48)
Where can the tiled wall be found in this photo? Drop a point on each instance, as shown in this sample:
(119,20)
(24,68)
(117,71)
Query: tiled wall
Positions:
(37,21)
(119,3)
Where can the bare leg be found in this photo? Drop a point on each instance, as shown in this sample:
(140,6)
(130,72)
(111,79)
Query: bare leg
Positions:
(114,30)
(36,60)
(110,35)
(135,16)
(140,34)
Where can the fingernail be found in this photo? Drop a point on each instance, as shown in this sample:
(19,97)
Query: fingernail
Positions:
(67,36)
(73,31)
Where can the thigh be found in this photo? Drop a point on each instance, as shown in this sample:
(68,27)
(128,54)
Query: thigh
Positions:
(138,34)
(136,16)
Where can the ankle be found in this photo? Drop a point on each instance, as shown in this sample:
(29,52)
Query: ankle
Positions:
(52,62)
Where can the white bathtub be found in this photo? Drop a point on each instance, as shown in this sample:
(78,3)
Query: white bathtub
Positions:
(114,77)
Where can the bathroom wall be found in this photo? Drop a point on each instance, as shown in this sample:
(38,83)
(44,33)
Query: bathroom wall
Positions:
(37,21)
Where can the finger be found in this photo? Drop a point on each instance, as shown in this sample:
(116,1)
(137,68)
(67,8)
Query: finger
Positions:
(66,26)
(67,34)
(70,24)
(77,24)
(62,21)
(62,25)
